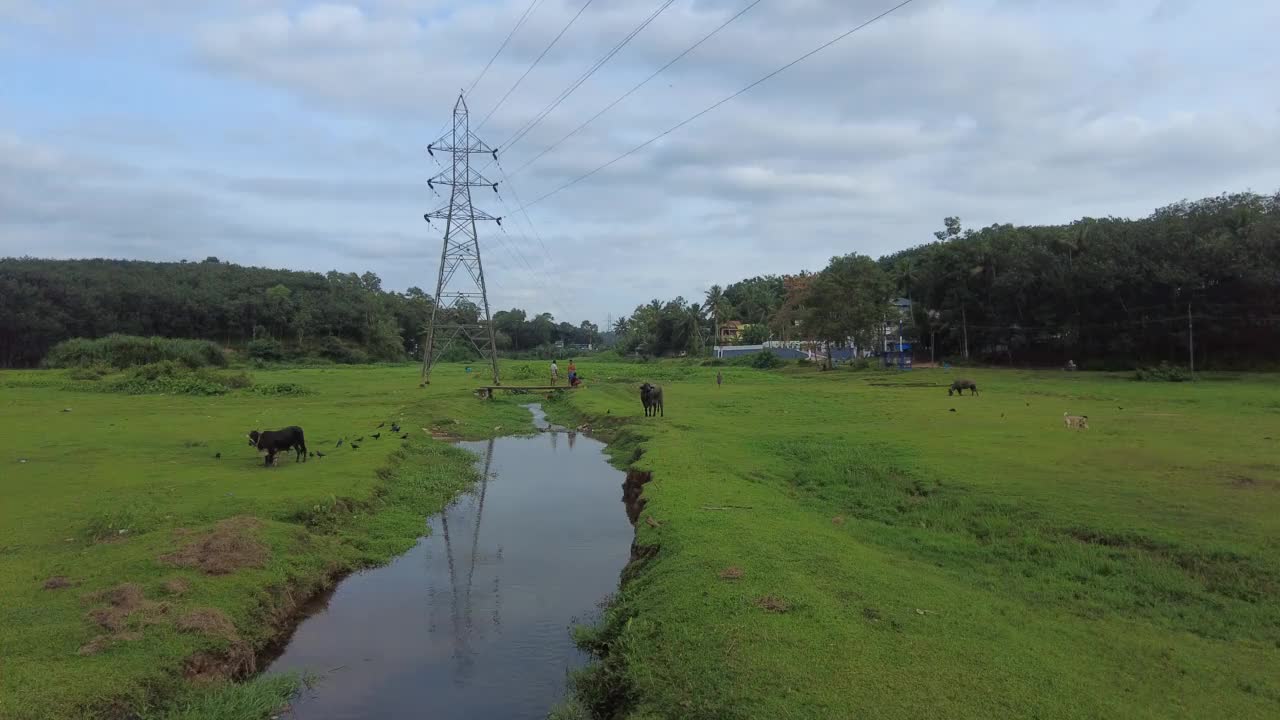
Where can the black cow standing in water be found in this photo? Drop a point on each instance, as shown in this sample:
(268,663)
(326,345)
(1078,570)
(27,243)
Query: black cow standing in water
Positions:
(274,441)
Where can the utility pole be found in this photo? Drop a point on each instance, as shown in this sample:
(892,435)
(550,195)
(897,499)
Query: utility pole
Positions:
(461,249)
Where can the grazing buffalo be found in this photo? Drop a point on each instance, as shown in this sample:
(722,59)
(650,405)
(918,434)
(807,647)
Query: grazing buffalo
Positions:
(651,398)
(959,386)
(274,441)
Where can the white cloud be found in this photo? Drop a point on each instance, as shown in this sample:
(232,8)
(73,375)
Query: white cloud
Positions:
(996,110)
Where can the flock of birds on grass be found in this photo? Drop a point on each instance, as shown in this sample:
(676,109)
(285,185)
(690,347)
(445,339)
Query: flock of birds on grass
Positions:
(395,430)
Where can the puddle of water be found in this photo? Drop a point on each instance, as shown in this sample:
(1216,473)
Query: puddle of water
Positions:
(473,622)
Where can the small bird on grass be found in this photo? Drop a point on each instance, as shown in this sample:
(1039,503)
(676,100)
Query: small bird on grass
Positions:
(319,454)
(217,456)
(359,439)
(375,436)
(404,436)
(338,444)
(384,422)
(355,446)
(395,427)
(953,409)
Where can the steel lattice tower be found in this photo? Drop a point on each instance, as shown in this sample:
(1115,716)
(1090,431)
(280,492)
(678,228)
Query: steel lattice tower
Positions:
(451,316)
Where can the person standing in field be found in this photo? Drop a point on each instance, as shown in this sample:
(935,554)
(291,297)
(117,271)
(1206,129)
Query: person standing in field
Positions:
(719,379)
(555,372)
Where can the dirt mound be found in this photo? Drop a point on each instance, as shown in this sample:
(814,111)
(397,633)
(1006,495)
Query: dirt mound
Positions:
(57,582)
(104,642)
(231,545)
(211,622)
(773,603)
(125,605)
(733,572)
(207,667)
(177,586)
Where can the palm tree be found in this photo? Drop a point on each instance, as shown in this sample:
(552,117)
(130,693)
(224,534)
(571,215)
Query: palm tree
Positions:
(695,315)
(717,307)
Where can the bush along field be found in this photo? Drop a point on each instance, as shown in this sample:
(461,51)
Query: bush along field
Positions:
(860,544)
(147,556)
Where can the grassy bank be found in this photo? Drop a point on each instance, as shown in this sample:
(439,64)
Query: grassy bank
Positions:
(138,569)
(837,545)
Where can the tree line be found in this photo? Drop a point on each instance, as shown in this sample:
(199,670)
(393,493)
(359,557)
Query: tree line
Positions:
(278,314)
(1198,277)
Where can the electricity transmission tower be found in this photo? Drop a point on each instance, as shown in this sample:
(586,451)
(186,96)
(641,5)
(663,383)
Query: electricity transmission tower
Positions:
(464,309)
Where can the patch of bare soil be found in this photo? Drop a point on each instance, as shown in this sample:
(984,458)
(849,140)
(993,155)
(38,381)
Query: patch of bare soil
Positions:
(1245,482)
(211,622)
(104,642)
(231,545)
(773,603)
(733,572)
(125,604)
(177,586)
(57,582)
(837,520)
(208,667)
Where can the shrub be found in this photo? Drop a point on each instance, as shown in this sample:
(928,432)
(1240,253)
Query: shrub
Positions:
(266,350)
(170,378)
(89,372)
(332,348)
(765,360)
(284,388)
(714,362)
(125,351)
(1164,372)
(861,364)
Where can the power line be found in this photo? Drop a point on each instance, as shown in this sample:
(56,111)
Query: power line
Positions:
(704,111)
(564,95)
(503,46)
(537,60)
(549,286)
(641,84)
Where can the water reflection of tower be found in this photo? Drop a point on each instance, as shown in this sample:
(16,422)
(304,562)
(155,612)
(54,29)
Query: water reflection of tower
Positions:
(461,601)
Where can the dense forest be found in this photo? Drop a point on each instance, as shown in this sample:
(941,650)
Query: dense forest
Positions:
(1103,292)
(277,314)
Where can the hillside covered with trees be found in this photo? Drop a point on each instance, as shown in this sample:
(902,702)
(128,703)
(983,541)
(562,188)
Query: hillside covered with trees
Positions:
(1104,292)
(277,314)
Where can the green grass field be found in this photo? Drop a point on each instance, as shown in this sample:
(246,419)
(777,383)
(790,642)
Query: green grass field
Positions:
(892,559)
(899,560)
(145,465)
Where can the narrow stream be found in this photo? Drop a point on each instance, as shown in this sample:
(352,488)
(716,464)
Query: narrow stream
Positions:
(473,622)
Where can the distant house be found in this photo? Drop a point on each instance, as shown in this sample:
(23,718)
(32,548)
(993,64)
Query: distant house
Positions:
(730,331)
(895,345)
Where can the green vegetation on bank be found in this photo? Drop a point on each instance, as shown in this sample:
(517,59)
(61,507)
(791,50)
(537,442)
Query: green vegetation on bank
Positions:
(841,544)
(136,565)
(822,545)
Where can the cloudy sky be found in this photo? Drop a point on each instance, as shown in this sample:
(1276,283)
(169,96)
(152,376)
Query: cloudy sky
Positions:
(293,133)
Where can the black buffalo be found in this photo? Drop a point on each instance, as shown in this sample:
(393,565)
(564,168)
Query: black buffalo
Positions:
(274,441)
(651,398)
(959,386)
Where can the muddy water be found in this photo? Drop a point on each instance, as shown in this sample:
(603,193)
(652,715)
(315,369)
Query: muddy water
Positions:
(473,621)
